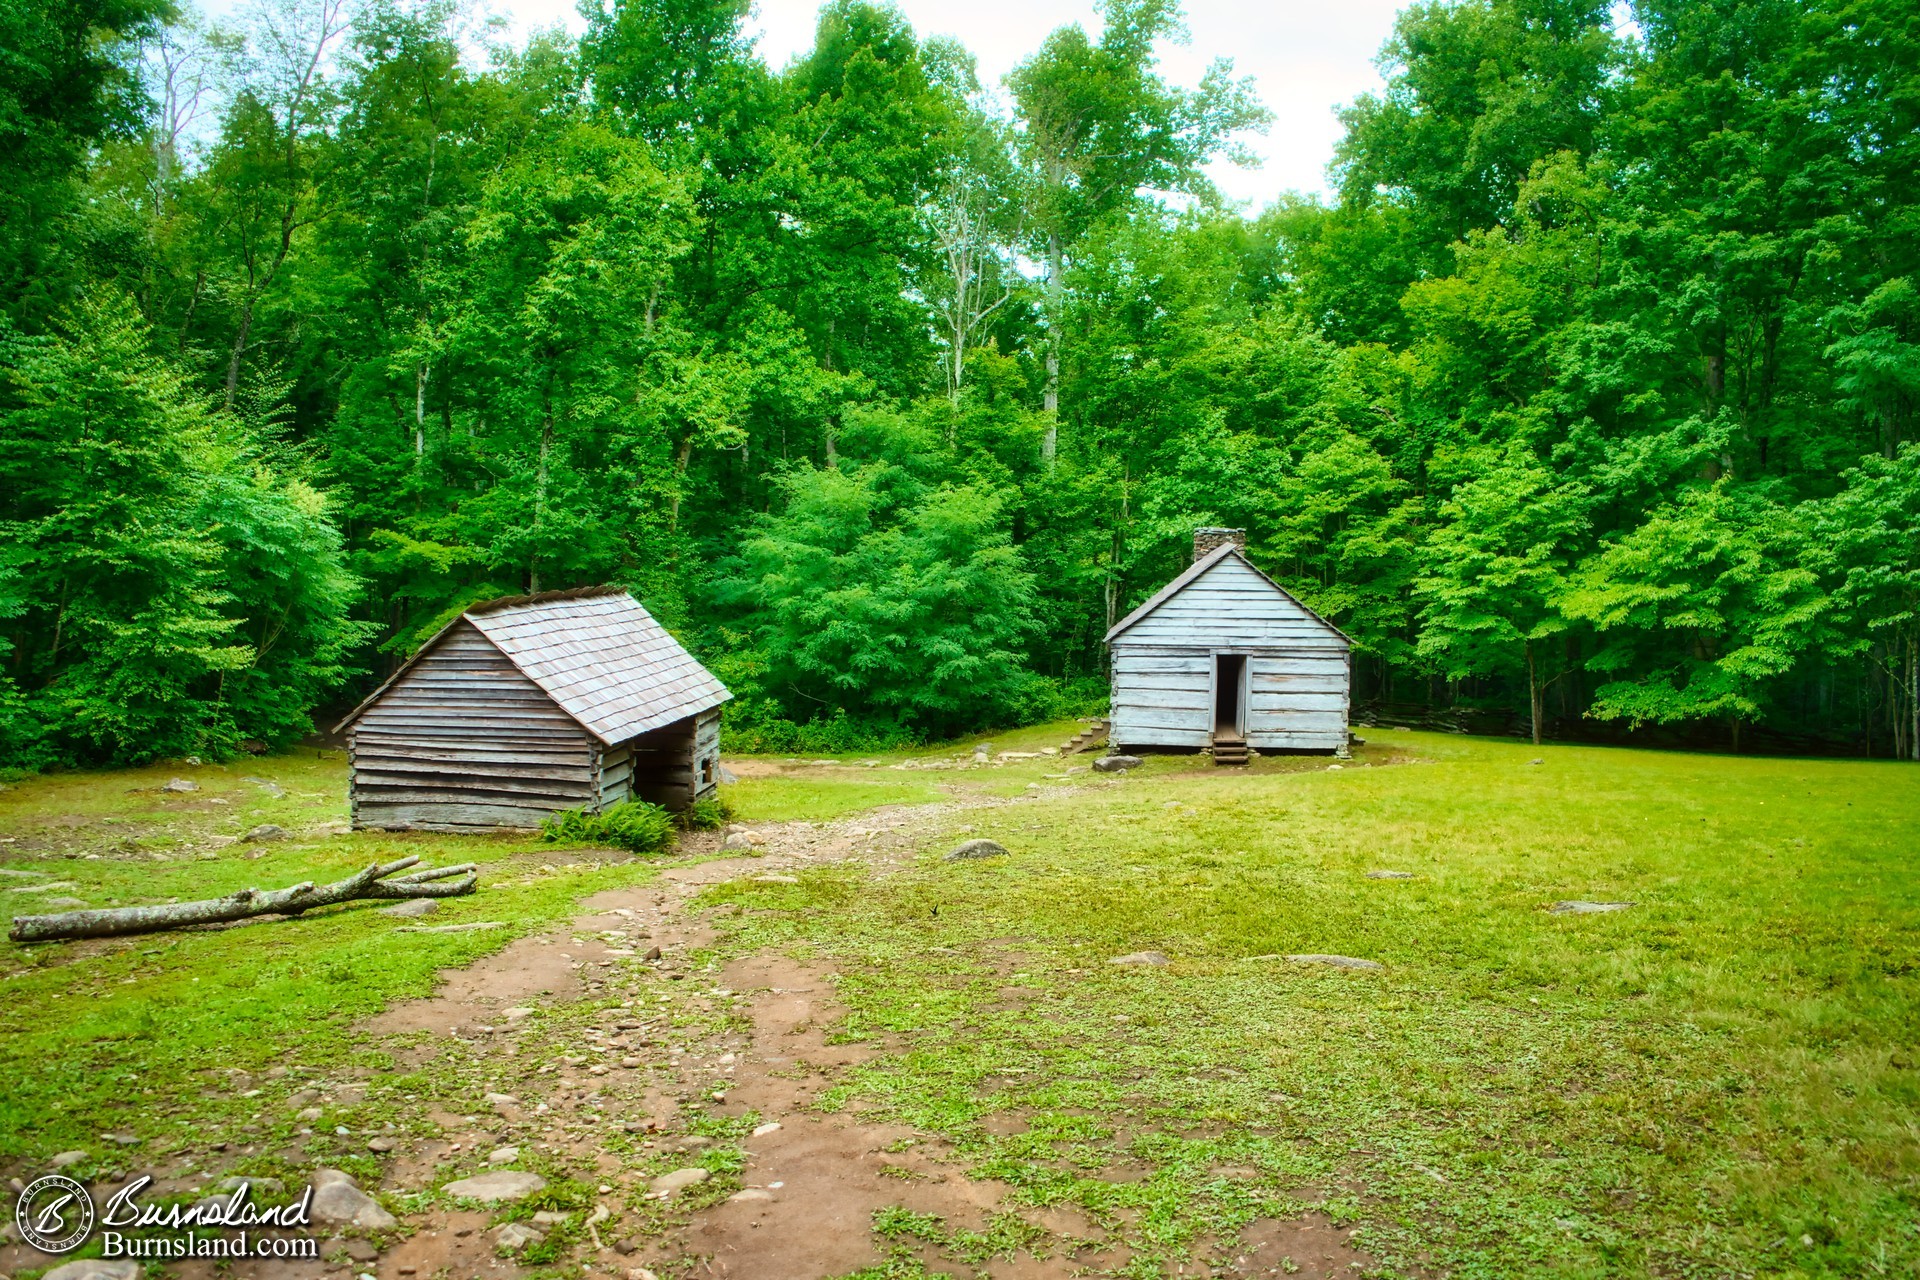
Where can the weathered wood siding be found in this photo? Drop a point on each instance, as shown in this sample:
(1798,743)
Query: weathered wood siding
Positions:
(1231,607)
(1298,700)
(463,740)
(1163,667)
(1162,696)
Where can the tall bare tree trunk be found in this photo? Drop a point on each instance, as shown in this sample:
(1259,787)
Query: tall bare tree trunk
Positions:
(1050,444)
(1536,693)
(420,410)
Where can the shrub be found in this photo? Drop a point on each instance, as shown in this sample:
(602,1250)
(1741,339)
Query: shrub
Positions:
(633,825)
(707,815)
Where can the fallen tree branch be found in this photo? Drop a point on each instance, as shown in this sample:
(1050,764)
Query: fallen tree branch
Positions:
(372,882)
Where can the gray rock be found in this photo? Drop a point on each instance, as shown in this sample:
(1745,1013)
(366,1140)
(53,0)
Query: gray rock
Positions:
(95,1269)
(1116,764)
(503,1155)
(1578,908)
(516,1236)
(67,1158)
(501,1184)
(266,831)
(1154,958)
(1389,875)
(267,785)
(1536,762)
(63,904)
(750,1195)
(1337,962)
(412,908)
(680,1180)
(738,841)
(121,1139)
(337,1201)
(180,784)
(978,849)
(380,1146)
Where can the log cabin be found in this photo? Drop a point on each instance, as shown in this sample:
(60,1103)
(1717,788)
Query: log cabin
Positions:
(1224,658)
(529,704)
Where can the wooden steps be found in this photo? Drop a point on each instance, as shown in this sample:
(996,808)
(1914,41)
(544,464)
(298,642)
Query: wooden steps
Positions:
(1093,735)
(1229,751)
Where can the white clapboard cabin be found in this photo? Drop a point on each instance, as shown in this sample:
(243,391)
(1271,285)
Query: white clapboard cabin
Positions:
(521,706)
(1224,657)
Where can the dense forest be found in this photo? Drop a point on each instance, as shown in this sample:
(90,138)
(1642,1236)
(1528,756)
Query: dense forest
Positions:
(1588,406)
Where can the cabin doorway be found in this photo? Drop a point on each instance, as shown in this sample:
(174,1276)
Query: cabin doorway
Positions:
(1229,697)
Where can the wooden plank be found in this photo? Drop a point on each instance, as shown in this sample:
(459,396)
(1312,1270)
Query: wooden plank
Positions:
(1134,696)
(1198,719)
(433,816)
(370,762)
(459,791)
(1300,700)
(370,781)
(478,753)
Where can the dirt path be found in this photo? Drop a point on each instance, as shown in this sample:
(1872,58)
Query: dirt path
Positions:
(611,1053)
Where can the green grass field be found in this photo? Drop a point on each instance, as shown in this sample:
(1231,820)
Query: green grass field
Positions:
(1722,1079)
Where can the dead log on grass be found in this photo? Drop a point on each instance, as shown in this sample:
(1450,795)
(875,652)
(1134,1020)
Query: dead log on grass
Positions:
(376,881)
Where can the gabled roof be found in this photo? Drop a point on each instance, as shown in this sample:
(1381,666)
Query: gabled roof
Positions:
(1199,567)
(596,652)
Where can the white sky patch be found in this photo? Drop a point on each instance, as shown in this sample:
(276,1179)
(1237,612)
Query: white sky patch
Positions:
(1307,59)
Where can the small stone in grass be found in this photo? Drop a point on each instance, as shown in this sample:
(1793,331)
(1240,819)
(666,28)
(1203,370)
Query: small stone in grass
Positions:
(978,849)
(1578,908)
(1116,764)
(771,1126)
(750,1194)
(679,1180)
(411,908)
(502,1184)
(66,1158)
(180,784)
(266,831)
(516,1236)
(380,1145)
(503,1155)
(1335,962)
(1389,875)
(1154,958)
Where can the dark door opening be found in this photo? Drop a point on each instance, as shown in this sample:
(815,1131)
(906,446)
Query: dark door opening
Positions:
(1229,673)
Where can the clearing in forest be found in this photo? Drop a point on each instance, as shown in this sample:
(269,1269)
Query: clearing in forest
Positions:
(1716,1079)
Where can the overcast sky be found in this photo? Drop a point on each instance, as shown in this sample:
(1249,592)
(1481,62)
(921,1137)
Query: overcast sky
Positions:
(1307,57)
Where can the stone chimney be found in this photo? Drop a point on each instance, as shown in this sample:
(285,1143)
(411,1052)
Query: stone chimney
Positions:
(1206,540)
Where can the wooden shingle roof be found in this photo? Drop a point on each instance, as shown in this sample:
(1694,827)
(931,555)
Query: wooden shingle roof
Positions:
(598,654)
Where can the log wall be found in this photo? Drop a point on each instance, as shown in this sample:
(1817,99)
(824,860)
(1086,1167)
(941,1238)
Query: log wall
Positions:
(462,741)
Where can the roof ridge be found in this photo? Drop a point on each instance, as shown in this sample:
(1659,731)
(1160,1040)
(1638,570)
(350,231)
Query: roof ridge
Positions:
(543,597)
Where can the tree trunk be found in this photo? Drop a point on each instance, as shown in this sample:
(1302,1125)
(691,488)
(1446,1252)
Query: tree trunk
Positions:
(1536,693)
(420,410)
(369,883)
(1050,444)
(239,348)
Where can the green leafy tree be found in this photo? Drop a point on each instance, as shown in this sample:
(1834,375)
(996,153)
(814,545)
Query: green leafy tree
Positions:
(1098,124)
(1496,572)
(870,595)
